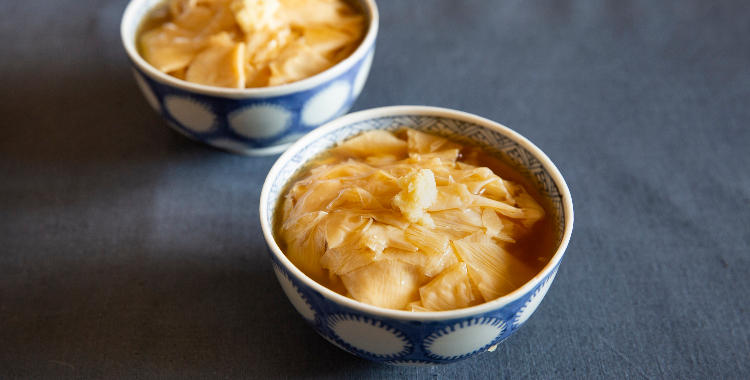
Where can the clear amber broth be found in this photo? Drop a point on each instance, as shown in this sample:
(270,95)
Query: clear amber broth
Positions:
(535,249)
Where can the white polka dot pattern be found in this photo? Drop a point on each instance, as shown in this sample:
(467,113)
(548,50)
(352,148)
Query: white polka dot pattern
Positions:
(297,299)
(151,98)
(533,302)
(326,104)
(260,120)
(371,337)
(364,70)
(464,338)
(192,114)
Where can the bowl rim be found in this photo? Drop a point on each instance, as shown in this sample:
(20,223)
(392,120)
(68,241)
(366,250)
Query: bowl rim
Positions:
(422,111)
(128,42)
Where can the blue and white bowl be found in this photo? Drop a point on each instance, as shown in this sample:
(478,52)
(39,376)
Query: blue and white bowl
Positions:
(415,338)
(252,121)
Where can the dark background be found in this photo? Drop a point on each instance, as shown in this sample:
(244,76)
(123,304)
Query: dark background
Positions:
(128,251)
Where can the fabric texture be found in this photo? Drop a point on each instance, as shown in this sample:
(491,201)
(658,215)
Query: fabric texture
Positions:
(129,251)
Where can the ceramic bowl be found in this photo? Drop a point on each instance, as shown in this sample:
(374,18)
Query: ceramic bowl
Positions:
(413,338)
(256,120)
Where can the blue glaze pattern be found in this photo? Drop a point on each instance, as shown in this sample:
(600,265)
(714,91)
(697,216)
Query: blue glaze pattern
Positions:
(429,343)
(403,344)
(222,109)
(418,336)
(421,336)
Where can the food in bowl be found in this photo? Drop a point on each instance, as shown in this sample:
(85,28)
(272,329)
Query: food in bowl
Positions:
(404,337)
(413,221)
(250,43)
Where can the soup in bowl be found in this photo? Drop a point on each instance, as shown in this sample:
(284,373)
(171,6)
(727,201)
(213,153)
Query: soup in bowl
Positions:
(425,314)
(247,77)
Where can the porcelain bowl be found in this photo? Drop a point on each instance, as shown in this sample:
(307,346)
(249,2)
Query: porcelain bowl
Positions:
(251,121)
(414,338)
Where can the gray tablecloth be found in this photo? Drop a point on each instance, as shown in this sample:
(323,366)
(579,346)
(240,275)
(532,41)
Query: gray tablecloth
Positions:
(128,251)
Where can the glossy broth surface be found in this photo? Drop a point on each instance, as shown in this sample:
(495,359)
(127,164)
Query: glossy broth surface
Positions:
(525,249)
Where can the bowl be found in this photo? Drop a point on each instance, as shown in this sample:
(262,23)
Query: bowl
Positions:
(403,337)
(253,121)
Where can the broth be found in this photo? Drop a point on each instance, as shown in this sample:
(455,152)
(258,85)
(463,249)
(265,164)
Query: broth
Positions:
(538,247)
(534,249)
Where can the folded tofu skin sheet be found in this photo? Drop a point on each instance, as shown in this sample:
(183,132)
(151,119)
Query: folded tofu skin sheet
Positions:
(249,43)
(413,221)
